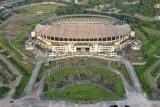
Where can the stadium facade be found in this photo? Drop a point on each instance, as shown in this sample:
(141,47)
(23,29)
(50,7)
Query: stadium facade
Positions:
(82,33)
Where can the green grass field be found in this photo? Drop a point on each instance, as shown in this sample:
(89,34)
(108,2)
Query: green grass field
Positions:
(44,8)
(150,37)
(126,74)
(151,44)
(140,70)
(109,76)
(3,91)
(149,34)
(155,71)
(114,64)
(81,92)
(158,84)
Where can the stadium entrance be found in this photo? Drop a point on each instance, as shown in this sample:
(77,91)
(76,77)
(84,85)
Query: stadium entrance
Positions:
(82,49)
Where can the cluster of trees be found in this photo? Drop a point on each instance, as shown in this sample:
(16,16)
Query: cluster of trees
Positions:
(96,2)
(3,91)
(4,15)
(70,9)
(146,7)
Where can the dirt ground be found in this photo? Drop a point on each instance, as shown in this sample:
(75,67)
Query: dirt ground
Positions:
(15,22)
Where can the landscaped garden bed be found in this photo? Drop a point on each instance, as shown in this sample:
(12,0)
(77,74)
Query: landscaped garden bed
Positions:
(84,82)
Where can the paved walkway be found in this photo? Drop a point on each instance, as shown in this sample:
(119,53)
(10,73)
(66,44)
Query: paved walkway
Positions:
(132,96)
(133,76)
(30,85)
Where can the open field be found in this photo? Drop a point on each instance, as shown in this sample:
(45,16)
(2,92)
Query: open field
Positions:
(80,92)
(70,71)
(42,8)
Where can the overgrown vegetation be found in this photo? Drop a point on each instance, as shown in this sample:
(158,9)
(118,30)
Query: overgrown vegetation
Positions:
(126,74)
(72,92)
(80,92)
(3,91)
(146,7)
(5,15)
(70,9)
(155,71)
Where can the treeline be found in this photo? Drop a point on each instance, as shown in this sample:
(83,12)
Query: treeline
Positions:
(96,2)
(70,9)
(146,7)
(4,15)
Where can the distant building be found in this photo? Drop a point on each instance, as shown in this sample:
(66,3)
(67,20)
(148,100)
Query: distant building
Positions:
(137,15)
(2,8)
(74,1)
(136,45)
(157,5)
(113,10)
(136,2)
(157,18)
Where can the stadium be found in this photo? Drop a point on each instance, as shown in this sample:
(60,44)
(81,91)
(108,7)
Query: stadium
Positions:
(81,33)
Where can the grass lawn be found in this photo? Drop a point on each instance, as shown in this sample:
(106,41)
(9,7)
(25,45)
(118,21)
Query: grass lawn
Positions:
(153,32)
(150,38)
(158,83)
(8,74)
(150,47)
(109,76)
(84,58)
(81,92)
(3,78)
(40,74)
(114,64)
(16,59)
(126,74)
(156,71)
(3,91)
(18,41)
(44,8)
(43,69)
(140,70)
